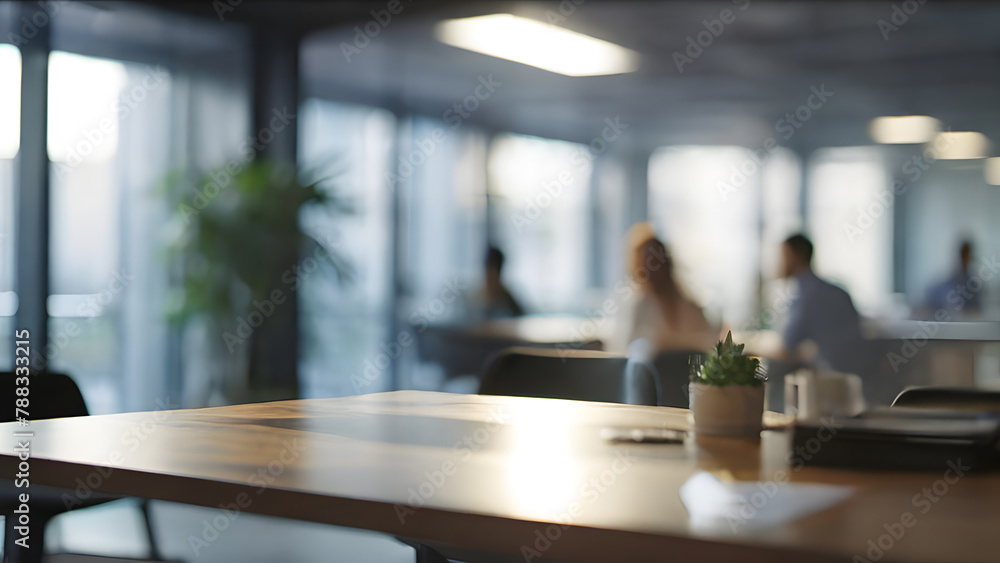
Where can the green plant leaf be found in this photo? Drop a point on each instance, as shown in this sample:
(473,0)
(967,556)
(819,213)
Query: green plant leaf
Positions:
(241,237)
(728,366)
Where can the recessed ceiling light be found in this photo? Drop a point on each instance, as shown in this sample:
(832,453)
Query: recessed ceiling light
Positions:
(958,145)
(537,44)
(991,170)
(903,129)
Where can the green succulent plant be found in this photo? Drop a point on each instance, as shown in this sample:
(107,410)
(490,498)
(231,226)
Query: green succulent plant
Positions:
(727,365)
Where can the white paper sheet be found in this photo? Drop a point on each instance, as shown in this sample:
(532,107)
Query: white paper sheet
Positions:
(718,506)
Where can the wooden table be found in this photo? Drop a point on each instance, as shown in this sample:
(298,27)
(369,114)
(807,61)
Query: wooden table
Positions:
(493,474)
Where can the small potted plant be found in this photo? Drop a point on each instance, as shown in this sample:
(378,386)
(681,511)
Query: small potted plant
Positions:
(727,391)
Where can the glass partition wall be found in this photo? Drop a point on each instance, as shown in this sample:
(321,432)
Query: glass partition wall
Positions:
(120,119)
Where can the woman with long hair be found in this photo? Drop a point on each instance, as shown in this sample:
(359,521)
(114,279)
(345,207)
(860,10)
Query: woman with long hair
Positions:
(661,317)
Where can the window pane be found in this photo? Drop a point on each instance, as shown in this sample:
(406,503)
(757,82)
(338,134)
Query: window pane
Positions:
(344,324)
(612,213)
(781,207)
(10,101)
(540,190)
(82,142)
(10,131)
(447,214)
(853,249)
(710,221)
(109,135)
(444,242)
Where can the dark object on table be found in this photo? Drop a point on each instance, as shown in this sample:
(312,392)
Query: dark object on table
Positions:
(901,439)
(644,435)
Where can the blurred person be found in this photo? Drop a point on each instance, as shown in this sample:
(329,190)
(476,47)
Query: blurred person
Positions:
(822,313)
(955,293)
(493,300)
(660,316)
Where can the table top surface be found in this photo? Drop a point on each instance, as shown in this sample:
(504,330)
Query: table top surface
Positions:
(490,473)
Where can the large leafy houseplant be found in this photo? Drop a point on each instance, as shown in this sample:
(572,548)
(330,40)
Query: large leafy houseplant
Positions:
(727,391)
(236,248)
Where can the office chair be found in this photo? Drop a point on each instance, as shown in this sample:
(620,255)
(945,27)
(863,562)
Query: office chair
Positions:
(673,374)
(951,398)
(51,395)
(581,375)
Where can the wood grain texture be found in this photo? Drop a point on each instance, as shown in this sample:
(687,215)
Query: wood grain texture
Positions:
(478,474)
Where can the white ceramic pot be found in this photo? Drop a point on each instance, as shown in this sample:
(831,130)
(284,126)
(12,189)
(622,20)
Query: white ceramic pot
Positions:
(731,410)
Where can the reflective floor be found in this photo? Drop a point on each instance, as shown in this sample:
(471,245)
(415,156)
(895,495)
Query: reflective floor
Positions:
(116,529)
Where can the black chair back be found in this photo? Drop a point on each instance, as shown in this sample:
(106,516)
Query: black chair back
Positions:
(950,398)
(51,395)
(673,374)
(581,375)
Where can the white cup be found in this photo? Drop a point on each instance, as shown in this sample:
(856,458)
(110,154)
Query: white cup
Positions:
(810,395)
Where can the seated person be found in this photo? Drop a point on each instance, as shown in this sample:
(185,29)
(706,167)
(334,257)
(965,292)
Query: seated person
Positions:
(954,293)
(660,317)
(822,313)
(493,300)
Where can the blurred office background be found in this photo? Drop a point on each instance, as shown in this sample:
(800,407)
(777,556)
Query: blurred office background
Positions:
(440,152)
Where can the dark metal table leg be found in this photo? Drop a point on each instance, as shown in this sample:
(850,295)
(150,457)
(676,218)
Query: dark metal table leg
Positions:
(428,555)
